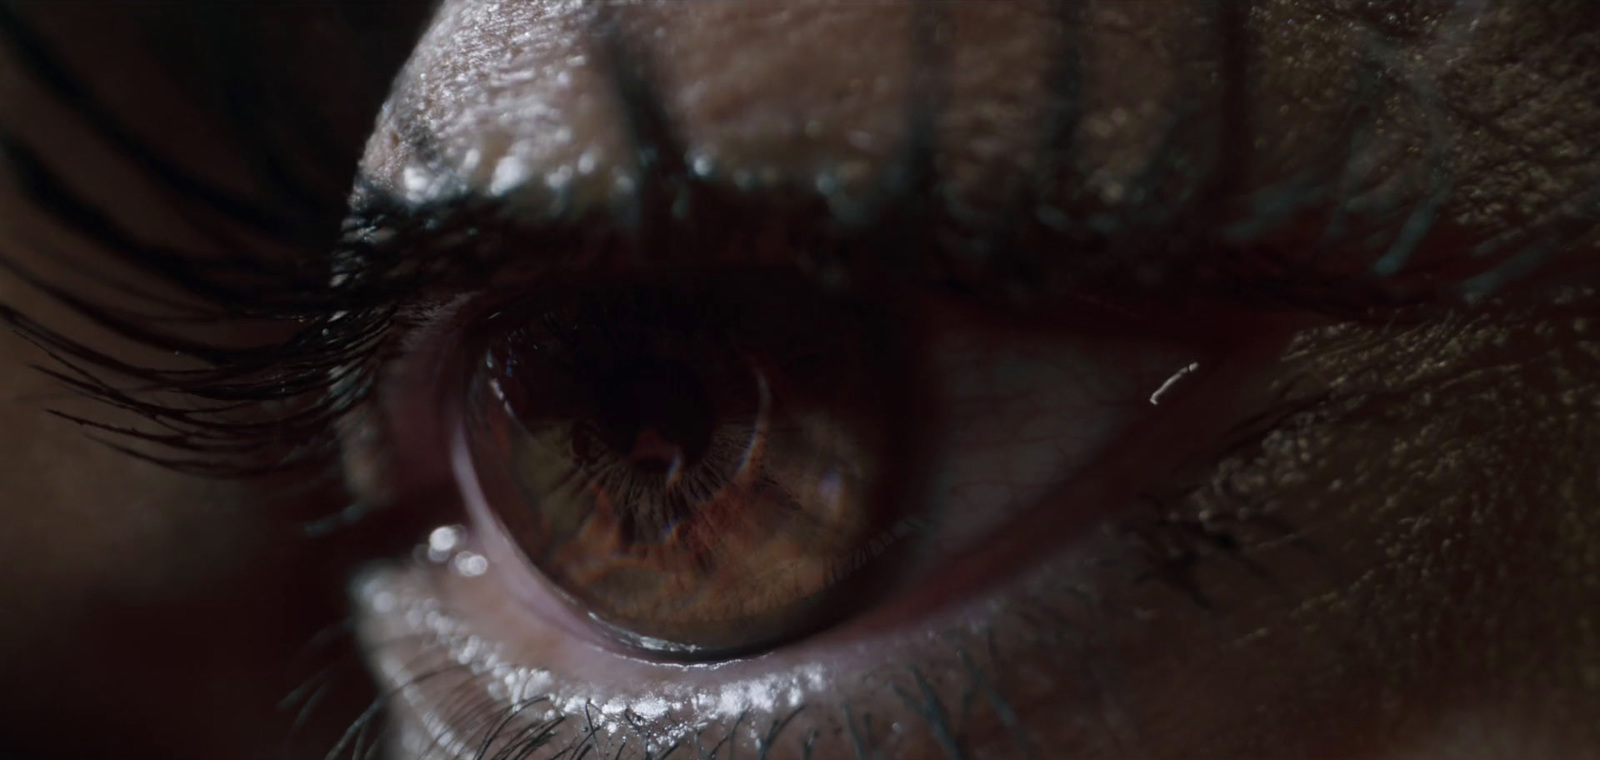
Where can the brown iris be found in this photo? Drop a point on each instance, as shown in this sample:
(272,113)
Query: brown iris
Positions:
(687,470)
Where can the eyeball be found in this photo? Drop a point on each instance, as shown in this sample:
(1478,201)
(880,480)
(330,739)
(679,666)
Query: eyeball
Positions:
(691,473)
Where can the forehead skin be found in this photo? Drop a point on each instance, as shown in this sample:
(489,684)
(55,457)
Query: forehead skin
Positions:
(1413,100)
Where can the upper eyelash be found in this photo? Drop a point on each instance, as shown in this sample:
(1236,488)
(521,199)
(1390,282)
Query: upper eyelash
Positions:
(209,430)
(346,306)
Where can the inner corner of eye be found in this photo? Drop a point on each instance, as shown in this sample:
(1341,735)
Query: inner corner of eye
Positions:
(707,476)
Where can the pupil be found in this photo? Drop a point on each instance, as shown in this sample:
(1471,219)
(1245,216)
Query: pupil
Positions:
(656,414)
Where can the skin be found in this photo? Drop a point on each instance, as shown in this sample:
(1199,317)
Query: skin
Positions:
(151,614)
(1452,487)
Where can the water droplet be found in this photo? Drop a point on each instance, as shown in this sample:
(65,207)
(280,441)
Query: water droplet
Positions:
(445,538)
(470,564)
(703,166)
(417,181)
(587,163)
(559,179)
(509,174)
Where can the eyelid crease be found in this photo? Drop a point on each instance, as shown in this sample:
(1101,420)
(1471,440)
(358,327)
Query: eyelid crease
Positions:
(467,242)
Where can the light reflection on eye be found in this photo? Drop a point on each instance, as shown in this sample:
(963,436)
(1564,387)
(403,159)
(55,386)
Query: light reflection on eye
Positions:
(695,469)
(953,441)
(710,467)
(1006,425)
(616,591)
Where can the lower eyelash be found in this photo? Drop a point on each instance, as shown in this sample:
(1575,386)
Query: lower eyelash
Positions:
(505,718)
(1199,529)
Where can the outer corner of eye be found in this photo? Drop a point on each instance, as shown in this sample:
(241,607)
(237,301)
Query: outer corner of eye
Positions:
(675,486)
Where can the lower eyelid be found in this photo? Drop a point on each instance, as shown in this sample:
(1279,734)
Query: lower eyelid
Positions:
(463,668)
(482,636)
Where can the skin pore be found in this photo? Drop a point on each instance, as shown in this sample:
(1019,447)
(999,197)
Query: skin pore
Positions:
(1434,458)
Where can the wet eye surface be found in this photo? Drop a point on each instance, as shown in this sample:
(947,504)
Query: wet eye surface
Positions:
(695,464)
(699,495)
(1073,485)
(889,380)
(705,466)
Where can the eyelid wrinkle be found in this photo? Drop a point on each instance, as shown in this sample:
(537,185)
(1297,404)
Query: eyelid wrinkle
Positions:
(903,228)
(664,186)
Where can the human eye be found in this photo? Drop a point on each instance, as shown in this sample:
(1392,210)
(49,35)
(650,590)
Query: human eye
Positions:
(1026,379)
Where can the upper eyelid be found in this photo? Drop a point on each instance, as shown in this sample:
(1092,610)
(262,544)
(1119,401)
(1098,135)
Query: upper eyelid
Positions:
(372,296)
(663,173)
(1383,29)
(904,211)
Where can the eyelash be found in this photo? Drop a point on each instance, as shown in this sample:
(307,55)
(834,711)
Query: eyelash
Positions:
(347,312)
(344,311)
(367,297)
